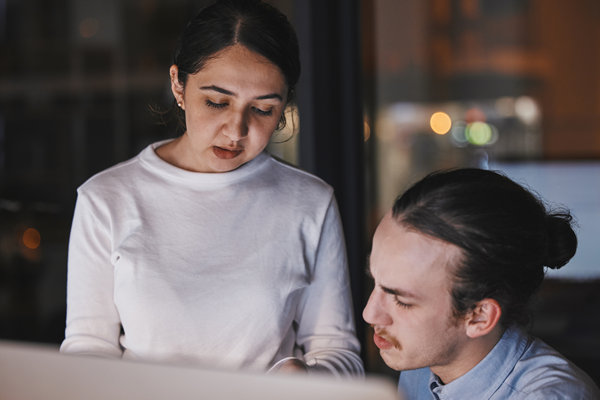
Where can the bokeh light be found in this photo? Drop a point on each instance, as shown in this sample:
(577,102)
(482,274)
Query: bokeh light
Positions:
(479,133)
(457,134)
(474,114)
(527,109)
(440,123)
(32,238)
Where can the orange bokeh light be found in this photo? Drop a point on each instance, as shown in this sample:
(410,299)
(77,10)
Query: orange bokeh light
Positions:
(32,238)
(440,123)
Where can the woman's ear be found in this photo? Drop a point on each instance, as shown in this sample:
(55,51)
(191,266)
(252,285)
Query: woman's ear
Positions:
(484,318)
(176,86)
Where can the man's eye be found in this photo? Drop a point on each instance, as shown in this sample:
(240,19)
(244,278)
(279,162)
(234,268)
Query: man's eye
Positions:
(401,304)
(215,105)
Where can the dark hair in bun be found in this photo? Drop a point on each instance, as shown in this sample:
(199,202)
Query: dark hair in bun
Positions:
(562,241)
(505,232)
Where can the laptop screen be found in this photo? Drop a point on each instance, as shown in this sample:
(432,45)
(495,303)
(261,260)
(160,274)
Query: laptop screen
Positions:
(30,371)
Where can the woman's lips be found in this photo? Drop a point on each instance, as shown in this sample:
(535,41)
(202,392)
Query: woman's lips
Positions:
(226,154)
(381,343)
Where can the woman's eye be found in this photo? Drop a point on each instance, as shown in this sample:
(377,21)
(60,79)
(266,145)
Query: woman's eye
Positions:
(212,104)
(265,113)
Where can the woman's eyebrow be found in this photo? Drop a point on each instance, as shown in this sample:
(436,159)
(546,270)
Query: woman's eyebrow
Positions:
(230,93)
(218,89)
(270,96)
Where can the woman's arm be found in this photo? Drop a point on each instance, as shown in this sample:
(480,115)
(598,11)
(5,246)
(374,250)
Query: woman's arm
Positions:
(93,326)
(325,316)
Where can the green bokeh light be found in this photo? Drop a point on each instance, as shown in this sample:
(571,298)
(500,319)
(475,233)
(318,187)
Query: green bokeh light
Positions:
(478,133)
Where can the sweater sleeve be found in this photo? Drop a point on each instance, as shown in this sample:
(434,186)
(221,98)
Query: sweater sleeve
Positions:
(93,326)
(326,330)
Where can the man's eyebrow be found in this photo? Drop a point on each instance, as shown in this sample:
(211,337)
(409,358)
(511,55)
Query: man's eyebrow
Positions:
(395,292)
(230,93)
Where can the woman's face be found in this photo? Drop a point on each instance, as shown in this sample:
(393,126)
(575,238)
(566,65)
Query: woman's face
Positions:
(232,106)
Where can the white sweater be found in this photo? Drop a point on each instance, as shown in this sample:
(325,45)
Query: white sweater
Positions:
(229,270)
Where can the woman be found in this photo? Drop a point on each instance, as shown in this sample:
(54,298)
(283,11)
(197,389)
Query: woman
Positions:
(204,249)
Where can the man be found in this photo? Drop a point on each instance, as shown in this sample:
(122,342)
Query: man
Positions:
(455,264)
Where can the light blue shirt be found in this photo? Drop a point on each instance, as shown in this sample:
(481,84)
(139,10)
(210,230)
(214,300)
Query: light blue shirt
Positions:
(518,367)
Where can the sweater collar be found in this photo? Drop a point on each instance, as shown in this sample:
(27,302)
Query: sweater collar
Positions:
(153,162)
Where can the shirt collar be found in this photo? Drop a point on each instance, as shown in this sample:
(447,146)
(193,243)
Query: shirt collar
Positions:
(487,376)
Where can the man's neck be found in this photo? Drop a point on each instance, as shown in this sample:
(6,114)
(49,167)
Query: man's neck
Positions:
(471,354)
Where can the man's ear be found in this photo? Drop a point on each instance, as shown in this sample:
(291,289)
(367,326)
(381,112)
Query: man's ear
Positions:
(176,86)
(483,318)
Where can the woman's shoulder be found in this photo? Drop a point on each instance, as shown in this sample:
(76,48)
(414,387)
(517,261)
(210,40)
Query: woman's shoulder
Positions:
(293,176)
(120,174)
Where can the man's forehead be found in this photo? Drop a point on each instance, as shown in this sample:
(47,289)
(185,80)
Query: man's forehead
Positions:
(402,255)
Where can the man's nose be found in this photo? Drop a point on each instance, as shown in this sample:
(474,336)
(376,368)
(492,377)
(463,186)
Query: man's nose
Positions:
(375,312)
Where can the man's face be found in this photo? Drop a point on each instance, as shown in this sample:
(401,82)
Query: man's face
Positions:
(410,306)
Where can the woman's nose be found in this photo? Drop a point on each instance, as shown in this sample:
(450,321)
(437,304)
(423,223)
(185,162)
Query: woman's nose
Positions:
(236,127)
